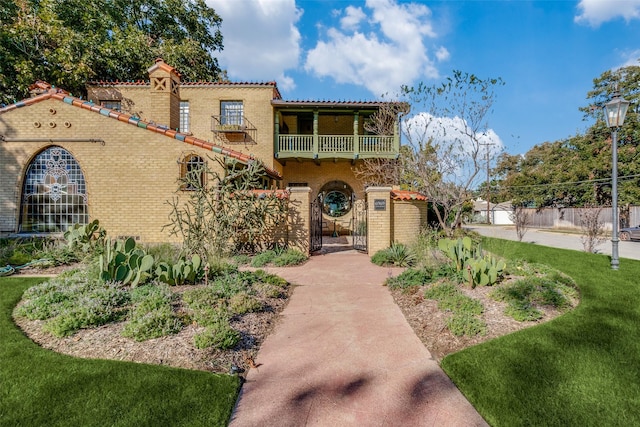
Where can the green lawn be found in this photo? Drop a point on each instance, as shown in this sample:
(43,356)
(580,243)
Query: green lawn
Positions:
(39,387)
(581,369)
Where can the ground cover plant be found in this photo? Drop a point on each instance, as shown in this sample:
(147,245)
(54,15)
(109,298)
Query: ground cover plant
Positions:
(41,387)
(221,319)
(458,294)
(582,368)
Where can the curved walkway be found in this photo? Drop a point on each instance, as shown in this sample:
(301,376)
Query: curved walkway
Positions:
(343,355)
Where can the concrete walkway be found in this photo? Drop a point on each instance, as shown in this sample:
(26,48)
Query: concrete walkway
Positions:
(343,355)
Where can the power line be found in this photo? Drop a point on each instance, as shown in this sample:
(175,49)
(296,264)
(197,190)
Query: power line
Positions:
(588,181)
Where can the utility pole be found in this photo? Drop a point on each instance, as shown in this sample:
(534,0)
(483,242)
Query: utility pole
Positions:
(487,144)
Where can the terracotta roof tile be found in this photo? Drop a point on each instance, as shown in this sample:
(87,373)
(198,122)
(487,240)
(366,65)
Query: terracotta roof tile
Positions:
(63,96)
(407,195)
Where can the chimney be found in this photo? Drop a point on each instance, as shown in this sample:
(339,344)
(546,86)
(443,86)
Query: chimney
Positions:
(38,88)
(165,94)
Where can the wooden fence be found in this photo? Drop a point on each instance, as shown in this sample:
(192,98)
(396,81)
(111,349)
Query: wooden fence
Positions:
(571,217)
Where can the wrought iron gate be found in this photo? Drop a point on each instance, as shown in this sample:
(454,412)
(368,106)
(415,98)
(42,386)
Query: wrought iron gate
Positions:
(359,224)
(316,224)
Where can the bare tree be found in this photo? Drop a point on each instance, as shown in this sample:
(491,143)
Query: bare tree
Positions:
(521,218)
(379,171)
(592,228)
(446,135)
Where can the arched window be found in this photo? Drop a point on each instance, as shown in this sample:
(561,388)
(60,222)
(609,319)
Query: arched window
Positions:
(54,194)
(192,172)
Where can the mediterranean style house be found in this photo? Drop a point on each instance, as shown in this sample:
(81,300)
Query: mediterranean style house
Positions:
(118,155)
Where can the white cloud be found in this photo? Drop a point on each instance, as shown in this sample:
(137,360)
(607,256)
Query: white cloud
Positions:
(353,17)
(451,132)
(386,54)
(631,58)
(442,54)
(261,40)
(595,12)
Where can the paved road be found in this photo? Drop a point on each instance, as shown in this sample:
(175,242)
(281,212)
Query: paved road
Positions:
(556,239)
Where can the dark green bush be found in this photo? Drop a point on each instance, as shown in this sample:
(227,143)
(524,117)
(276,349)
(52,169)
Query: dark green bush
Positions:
(397,254)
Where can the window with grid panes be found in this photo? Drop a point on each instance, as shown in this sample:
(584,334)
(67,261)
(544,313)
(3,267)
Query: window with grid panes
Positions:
(231,112)
(184,117)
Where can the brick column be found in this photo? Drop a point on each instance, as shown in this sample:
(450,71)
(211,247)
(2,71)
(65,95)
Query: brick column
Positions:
(379,219)
(299,219)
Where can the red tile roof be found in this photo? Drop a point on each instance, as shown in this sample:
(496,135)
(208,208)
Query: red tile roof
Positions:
(407,195)
(63,96)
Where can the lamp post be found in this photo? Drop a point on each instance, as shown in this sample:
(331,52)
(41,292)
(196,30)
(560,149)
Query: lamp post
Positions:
(614,112)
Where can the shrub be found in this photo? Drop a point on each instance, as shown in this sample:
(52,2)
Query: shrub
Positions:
(465,310)
(217,335)
(459,303)
(397,254)
(466,324)
(73,301)
(522,311)
(163,252)
(242,303)
(289,257)
(201,298)
(97,307)
(540,286)
(409,278)
(441,291)
(152,315)
(263,258)
(158,322)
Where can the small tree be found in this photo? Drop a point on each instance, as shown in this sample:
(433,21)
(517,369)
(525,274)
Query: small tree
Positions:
(447,133)
(521,218)
(592,228)
(225,213)
(379,171)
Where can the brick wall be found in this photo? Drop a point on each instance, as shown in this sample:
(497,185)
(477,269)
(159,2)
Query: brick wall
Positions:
(409,216)
(204,102)
(379,219)
(129,178)
(299,219)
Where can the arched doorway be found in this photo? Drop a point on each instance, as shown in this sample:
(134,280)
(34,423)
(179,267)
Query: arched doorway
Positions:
(54,194)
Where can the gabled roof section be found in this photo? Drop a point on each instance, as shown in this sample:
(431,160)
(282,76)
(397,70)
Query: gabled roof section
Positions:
(63,96)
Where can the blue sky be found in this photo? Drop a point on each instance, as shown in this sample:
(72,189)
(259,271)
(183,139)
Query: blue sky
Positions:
(547,52)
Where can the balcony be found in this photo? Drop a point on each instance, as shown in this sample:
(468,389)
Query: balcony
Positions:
(234,130)
(336,147)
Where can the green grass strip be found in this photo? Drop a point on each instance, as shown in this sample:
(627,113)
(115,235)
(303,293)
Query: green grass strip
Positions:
(581,369)
(40,387)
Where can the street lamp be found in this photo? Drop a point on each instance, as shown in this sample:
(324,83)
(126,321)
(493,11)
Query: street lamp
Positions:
(614,112)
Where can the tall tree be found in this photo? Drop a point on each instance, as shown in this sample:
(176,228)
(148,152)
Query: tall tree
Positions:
(577,171)
(67,42)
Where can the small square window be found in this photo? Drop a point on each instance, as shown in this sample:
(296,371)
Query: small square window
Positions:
(192,172)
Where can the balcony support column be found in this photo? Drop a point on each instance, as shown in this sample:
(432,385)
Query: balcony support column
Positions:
(315,134)
(396,136)
(356,140)
(276,139)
